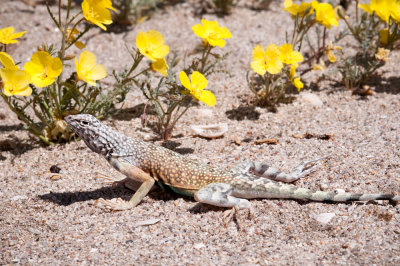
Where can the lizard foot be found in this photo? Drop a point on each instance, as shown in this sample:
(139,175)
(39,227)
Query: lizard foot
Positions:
(229,215)
(114,204)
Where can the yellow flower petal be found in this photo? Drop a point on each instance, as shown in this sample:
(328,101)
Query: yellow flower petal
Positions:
(97,72)
(292,72)
(16,82)
(288,56)
(43,69)
(212,33)
(151,45)
(87,60)
(331,56)
(7,35)
(199,81)
(207,97)
(275,66)
(266,61)
(185,80)
(196,86)
(7,61)
(366,8)
(160,66)
(96,12)
(88,70)
(383,9)
(298,84)
(325,14)
(295,9)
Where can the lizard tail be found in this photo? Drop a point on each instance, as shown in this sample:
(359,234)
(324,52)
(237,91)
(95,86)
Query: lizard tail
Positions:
(265,188)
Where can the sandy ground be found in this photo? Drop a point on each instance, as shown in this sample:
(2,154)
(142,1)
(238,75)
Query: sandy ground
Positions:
(52,222)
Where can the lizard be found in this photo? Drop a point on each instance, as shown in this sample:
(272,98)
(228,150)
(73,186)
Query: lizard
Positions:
(146,163)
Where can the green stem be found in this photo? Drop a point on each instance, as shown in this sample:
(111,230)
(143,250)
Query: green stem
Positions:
(179,116)
(52,16)
(204,57)
(59,12)
(31,125)
(72,30)
(303,33)
(352,31)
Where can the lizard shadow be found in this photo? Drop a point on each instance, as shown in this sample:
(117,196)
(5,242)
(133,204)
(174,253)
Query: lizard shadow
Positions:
(173,146)
(243,112)
(107,193)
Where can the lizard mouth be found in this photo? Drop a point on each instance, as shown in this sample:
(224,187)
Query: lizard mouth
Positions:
(71,125)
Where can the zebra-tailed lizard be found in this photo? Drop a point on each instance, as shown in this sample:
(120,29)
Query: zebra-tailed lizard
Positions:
(148,163)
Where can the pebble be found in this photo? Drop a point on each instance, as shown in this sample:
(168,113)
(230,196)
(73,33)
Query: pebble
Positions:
(323,218)
(311,99)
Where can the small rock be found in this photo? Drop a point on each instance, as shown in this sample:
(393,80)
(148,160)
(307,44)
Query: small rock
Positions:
(19,197)
(210,131)
(323,218)
(55,169)
(311,98)
(199,246)
(147,222)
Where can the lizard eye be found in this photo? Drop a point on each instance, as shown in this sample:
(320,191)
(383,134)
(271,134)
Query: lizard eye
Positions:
(84,123)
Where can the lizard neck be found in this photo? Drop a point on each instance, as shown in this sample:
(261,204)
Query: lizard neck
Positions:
(107,141)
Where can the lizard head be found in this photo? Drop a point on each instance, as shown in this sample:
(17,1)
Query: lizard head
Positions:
(92,131)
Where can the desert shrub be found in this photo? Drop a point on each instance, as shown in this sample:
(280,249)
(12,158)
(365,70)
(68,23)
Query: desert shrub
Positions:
(274,69)
(42,94)
(375,32)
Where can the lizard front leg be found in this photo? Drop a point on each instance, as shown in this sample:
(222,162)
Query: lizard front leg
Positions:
(136,174)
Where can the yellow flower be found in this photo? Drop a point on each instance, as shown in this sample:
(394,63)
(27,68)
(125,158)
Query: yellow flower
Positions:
(288,56)
(292,72)
(295,9)
(196,86)
(71,38)
(382,8)
(87,69)
(212,33)
(266,61)
(96,12)
(7,61)
(151,45)
(298,84)
(320,66)
(8,36)
(329,52)
(160,66)
(383,54)
(16,82)
(293,77)
(325,14)
(395,11)
(43,69)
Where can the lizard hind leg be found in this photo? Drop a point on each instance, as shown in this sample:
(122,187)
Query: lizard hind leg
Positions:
(264,170)
(219,194)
